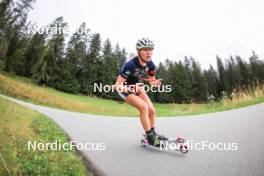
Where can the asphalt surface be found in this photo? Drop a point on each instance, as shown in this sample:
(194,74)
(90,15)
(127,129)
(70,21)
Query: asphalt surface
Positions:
(239,134)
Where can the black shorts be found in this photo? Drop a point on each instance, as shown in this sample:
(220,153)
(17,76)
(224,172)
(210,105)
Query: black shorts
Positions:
(123,95)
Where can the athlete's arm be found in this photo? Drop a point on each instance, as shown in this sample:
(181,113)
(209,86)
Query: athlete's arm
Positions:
(151,75)
(124,74)
(153,81)
(119,85)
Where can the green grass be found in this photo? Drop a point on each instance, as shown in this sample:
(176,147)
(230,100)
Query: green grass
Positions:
(20,125)
(26,89)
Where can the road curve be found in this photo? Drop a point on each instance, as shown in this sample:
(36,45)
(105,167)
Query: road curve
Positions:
(124,156)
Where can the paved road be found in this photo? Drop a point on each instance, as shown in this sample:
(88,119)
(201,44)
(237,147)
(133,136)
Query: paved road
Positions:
(124,156)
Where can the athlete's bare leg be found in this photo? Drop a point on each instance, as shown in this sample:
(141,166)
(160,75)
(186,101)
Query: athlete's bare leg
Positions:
(142,106)
(151,110)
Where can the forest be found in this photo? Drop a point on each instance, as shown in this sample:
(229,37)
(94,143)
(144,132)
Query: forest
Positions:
(73,63)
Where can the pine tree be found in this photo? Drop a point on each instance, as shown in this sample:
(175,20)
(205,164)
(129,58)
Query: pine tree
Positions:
(183,84)
(48,69)
(13,22)
(120,56)
(188,70)
(199,85)
(92,72)
(212,82)
(169,65)
(244,73)
(223,82)
(161,97)
(5,13)
(34,52)
(257,69)
(73,64)
(110,65)
(123,57)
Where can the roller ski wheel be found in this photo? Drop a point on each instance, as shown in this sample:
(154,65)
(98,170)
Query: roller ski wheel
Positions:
(180,140)
(184,148)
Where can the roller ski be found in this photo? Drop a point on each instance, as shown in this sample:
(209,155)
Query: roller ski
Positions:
(164,143)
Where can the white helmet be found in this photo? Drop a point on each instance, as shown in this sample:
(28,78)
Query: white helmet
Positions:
(144,43)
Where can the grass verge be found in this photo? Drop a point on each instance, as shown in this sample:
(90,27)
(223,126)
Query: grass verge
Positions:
(25,89)
(20,125)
